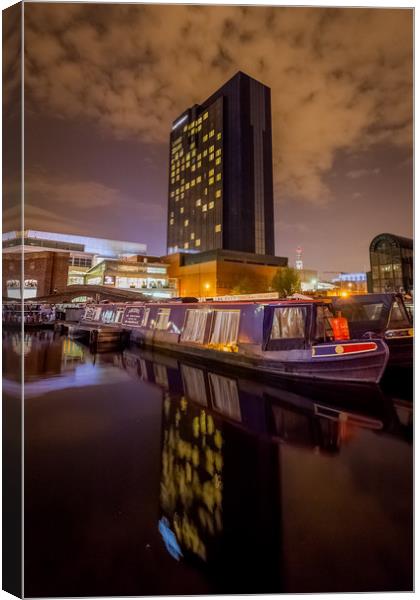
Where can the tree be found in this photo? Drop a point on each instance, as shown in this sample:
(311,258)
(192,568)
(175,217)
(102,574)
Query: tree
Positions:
(286,282)
(248,285)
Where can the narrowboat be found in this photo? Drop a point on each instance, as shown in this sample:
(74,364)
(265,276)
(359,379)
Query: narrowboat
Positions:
(380,316)
(290,338)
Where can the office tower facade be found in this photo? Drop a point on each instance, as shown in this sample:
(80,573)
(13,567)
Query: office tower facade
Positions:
(220,172)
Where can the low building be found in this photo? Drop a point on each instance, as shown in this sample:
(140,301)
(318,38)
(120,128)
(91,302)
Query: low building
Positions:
(222,272)
(352,283)
(145,274)
(54,260)
(391,261)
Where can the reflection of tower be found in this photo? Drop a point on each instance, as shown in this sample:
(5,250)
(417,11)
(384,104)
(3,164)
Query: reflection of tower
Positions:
(299,261)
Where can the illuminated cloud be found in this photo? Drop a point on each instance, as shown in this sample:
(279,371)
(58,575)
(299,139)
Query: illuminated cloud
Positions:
(341,79)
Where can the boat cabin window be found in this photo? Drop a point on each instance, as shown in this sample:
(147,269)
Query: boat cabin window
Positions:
(288,323)
(398,317)
(194,326)
(118,315)
(287,330)
(107,316)
(162,319)
(97,314)
(145,317)
(358,311)
(225,328)
(324,330)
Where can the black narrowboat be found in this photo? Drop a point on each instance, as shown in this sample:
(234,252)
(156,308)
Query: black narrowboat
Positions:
(291,338)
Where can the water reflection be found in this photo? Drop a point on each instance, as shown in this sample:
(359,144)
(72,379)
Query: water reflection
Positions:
(246,486)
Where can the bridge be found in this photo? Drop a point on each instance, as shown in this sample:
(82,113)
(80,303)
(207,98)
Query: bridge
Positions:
(97,292)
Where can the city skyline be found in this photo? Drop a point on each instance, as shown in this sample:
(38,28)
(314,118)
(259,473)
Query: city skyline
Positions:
(103,87)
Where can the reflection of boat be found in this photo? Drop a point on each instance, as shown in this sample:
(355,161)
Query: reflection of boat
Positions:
(234,454)
(301,413)
(289,338)
(380,315)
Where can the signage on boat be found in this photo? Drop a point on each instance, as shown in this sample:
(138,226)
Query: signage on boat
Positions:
(89,313)
(239,297)
(132,315)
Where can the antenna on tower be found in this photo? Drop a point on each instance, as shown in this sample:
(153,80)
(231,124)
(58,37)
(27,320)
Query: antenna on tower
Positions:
(299,261)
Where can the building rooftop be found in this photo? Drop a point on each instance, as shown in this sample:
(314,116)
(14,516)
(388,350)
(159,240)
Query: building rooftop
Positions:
(65,241)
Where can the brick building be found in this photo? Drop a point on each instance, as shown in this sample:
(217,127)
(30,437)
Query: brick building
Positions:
(42,273)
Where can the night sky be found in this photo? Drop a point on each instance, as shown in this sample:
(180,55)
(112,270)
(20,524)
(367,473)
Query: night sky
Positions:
(104,83)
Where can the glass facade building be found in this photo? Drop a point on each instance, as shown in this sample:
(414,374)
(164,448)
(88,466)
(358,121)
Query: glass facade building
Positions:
(220,172)
(391,261)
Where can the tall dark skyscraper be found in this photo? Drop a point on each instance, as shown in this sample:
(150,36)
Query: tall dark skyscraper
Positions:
(221,176)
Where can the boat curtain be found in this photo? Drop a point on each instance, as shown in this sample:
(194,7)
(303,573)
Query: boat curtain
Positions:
(195,326)
(225,327)
(162,320)
(288,323)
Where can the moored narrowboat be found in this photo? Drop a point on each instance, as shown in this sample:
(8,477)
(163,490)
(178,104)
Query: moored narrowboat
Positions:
(380,316)
(288,338)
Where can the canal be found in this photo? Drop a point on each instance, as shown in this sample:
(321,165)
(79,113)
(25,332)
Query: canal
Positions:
(145,474)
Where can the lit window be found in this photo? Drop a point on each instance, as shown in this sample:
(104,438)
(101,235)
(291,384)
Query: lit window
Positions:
(186,223)
(218,228)
(205,191)
(188,156)
(198,203)
(172,194)
(198,242)
(211,157)
(205,116)
(205,152)
(172,180)
(211,172)
(200,120)
(193,183)
(204,207)
(219,136)
(218,161)
(199,156)
(193,168)
(193,152)
(205,137)
(171,222)
(187,164)
(172,213)
(181,210)
(199,179)
(218,152)
(199,164)
(211,134)
(218,193)
(199,128)
(211,205)
(192,236)
(218,176)
(211,149)
(186,245)
(211,180)
(187,186)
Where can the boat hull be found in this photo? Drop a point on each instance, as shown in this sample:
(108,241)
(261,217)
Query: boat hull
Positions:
(357,368)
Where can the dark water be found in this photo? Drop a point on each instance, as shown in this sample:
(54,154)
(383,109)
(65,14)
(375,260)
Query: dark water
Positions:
(148,475)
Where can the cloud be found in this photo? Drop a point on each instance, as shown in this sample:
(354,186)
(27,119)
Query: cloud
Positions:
(358,173)
(79,194)
(340,78)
